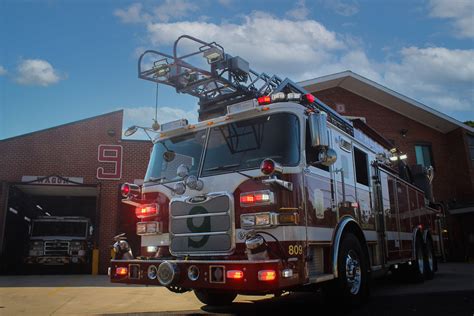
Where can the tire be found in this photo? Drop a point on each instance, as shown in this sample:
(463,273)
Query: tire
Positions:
(429,260)
(352,285)
(213,298)
(417,274)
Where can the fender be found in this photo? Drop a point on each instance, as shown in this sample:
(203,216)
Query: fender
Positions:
(341,227)
(426,233)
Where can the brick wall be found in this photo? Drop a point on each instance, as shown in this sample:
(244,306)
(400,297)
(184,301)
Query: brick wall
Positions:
(71,150)
(453,178)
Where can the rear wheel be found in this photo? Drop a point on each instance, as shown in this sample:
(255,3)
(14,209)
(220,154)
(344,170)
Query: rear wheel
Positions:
(214,298)
(418,267)
(430,260)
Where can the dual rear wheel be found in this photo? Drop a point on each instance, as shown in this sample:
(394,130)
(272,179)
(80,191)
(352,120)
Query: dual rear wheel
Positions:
(425,265)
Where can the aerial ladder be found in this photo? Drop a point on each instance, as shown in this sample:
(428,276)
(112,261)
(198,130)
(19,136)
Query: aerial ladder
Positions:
(225,79)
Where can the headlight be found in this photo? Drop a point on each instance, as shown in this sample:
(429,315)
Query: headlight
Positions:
(149,228)
(33,253)
(141,228)
(262,219)
(37,245)
(259,220)
(247,220)
(75,245)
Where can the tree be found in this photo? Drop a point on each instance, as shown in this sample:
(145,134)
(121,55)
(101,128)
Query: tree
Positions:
(469,123)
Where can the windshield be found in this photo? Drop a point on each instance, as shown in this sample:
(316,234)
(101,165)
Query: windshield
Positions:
(234,146)
(169,154)
(55,228)
(243,145)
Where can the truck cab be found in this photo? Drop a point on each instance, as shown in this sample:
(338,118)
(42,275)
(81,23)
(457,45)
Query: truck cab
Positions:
(59,240)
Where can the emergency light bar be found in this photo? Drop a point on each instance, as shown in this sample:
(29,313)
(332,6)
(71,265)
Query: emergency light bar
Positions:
(289,97)
(174,125)
(242,106)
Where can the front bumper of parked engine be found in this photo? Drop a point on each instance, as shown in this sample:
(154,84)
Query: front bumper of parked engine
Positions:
(242,276)
(53,260)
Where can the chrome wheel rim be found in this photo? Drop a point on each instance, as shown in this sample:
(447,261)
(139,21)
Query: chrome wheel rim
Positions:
(430,258)
(419,258)
(353,272)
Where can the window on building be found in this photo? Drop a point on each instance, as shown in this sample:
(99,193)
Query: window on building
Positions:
(470,143)
(424,156)
(362,166)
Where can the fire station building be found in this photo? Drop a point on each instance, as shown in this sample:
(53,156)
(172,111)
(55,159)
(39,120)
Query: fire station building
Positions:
(76,169)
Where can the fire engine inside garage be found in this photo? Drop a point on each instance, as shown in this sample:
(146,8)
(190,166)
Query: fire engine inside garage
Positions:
(59,199)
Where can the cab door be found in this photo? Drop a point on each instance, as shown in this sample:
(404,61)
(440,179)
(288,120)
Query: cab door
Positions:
(319,193)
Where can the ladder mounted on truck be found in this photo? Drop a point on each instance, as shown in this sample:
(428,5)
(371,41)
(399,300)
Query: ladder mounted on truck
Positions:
(225,79)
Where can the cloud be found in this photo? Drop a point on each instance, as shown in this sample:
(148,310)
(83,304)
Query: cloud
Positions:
(288,49)
(461,12)
(3,71)
(132,14)
(300,12)
(342,7)
(37,72)
(303,49)
(165,12)
(438,76)
(172,9)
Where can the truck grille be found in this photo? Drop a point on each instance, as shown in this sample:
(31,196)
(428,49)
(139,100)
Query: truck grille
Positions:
(202,225)
(56,248)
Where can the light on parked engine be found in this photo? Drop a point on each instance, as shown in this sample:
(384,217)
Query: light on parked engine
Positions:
(121,271)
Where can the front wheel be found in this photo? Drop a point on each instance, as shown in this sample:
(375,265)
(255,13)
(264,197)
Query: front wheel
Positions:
(214,298)
(352,283)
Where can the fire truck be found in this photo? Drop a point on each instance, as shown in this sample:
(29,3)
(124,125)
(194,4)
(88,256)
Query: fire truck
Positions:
(270,191)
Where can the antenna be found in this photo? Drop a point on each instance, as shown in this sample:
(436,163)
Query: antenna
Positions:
(156,126)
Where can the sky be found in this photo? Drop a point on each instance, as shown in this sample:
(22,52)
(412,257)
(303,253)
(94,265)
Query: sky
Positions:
(62,61)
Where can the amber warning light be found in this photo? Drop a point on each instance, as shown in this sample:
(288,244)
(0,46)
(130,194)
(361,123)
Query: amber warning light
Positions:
(235,274)
(121,271)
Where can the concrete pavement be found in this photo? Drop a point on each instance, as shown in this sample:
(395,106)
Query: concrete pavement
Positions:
(452,289)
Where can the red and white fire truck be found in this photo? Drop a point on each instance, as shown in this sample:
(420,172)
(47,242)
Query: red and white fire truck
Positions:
(271,191)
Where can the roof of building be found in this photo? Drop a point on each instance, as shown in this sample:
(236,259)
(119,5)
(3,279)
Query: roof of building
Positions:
(63,125)
(386,97)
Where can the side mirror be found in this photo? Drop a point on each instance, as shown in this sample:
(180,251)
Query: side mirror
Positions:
(318,129)
(130,131)
(326,157)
